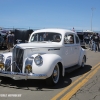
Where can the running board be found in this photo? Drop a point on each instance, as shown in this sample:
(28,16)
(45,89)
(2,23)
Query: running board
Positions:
(70,69)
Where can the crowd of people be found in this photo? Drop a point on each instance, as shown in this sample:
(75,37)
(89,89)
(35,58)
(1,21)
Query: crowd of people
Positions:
(7,40)
(93,41)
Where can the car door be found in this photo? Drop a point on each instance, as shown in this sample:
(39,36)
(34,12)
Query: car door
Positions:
(68,51)
(77,49)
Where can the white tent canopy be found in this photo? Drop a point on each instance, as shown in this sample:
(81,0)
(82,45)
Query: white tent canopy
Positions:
(88,31)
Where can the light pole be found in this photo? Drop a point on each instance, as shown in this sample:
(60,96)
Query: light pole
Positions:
(92,16)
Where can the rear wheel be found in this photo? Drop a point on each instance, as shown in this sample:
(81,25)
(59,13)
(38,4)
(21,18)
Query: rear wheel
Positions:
(54,78)
(83,62)
(83,47)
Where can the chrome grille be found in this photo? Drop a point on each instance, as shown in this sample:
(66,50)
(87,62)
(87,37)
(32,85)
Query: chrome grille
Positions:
(17,59)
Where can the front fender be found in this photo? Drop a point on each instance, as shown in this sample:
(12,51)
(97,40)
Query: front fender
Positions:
(7,55)
(49,62)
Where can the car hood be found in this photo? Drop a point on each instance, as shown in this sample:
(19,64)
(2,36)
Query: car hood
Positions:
(38,45)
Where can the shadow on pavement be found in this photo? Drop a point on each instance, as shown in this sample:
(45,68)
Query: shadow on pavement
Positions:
(40,85)
(79,71)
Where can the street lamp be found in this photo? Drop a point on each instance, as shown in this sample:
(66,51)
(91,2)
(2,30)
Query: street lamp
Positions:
(92,16)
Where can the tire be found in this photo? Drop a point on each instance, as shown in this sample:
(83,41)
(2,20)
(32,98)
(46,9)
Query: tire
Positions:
(1,78)
(83,47)
(54,78)
(83,62)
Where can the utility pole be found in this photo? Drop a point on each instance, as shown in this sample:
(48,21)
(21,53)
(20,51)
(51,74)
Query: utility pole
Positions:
(92,17)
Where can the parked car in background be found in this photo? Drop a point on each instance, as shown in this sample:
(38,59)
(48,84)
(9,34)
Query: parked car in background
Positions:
(48,54)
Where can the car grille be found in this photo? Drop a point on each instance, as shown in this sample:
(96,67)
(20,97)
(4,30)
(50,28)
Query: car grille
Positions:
(17,60)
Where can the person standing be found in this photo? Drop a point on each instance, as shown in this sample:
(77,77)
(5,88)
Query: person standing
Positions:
(10,40)
(91,39)
(96,41)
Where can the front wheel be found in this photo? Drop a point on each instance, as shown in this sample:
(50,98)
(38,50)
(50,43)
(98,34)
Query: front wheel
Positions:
(54,78)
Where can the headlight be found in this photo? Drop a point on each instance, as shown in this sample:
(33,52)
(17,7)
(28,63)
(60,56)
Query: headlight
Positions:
(28,65)
(38,60)
(1,61)
(1,65)
(1,58)
(28,69)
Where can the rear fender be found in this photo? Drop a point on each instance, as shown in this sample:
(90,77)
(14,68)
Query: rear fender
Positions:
(82,54)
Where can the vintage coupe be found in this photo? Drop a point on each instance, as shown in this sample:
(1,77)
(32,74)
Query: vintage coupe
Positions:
(48,53)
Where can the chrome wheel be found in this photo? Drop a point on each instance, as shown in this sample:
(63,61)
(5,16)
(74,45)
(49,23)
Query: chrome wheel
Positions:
(55,75)
(54,78)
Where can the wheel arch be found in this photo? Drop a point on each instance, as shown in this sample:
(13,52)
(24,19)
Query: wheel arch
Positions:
(82,54)
(61,69)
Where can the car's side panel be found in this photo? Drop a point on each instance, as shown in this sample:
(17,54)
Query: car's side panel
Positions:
(76,53)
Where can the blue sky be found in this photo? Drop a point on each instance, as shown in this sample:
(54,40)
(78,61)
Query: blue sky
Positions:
(38,14)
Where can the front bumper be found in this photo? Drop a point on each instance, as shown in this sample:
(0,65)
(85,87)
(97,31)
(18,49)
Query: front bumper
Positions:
(19,76)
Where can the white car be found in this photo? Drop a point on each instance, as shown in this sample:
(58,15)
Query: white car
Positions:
(48,53)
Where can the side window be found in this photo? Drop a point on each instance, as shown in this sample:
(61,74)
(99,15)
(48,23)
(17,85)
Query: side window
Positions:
(77,39)
(69,39)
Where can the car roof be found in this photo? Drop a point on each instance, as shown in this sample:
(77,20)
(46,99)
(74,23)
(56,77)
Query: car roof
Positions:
(57,30)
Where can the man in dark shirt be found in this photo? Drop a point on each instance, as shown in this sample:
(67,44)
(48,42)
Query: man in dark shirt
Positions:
(10,40)
(96,40)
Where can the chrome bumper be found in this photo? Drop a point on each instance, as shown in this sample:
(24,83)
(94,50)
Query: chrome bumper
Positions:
(19,76)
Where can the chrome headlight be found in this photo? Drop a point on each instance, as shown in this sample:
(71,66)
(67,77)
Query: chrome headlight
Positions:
(28,69)
(1,58)
(1,66)
(28,65)
(1,61)
(38,60)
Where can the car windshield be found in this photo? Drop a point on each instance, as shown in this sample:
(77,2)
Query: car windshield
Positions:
(46,36)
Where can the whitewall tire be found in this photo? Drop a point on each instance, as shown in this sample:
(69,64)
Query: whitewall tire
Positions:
(54,78)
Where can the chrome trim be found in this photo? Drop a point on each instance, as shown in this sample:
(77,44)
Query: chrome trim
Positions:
(16,65)
(18,59)
(19,76)
(54,49)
